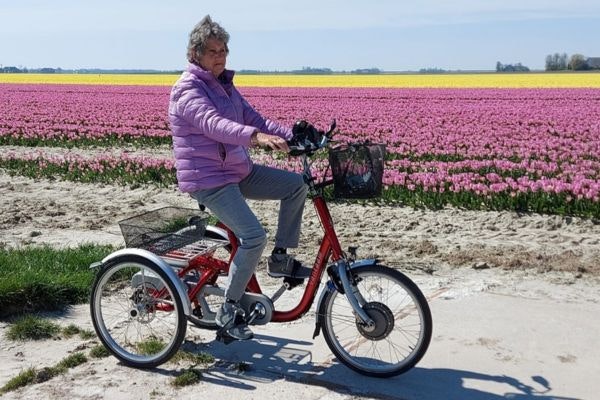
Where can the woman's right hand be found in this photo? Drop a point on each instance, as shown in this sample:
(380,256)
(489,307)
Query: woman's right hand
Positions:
(269,141)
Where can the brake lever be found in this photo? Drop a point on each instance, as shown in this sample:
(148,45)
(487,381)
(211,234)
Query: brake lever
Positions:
(296,150)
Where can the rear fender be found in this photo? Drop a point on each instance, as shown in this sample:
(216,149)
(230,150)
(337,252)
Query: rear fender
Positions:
(159,263)
(218,231)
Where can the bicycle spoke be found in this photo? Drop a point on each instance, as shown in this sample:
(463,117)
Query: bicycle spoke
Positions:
(137,318)
(391,344)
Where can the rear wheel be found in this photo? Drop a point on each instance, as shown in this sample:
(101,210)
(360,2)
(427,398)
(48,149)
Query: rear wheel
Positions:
(136,312)
(401,332)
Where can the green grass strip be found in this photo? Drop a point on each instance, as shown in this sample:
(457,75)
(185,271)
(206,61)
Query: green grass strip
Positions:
(32,376)
(46,279)
(123,173)
(188,377)
(538,202)
(101,141)
(99,351)
(31,327)
(128,174)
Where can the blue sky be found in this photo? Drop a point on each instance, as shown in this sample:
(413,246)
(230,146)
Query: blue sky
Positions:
(393,35)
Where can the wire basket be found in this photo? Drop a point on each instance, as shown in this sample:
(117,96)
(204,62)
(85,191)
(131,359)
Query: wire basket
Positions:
(164,229)
(357,170)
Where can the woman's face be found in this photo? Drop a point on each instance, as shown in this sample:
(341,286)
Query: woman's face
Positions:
(214,57)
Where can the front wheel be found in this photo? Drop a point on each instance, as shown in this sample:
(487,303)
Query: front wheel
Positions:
(136,312)
(402,330)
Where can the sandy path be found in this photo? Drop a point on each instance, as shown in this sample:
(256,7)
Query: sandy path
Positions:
(452,254)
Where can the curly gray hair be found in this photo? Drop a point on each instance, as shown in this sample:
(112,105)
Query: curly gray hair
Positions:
(204,30)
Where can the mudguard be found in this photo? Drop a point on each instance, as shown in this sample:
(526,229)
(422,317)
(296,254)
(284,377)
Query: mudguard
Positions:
(158,262)
(218,231)
(330,286)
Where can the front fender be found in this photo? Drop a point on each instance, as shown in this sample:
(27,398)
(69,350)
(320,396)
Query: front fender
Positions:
(362,263)
(330,286)
(158,262)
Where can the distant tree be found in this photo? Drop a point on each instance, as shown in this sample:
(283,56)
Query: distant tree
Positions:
(549,63)
(249,71)
(564,61)
(434,70)
(313,71)
(557,62)
(369,71)
(518,67)
(11,70)
(578,62)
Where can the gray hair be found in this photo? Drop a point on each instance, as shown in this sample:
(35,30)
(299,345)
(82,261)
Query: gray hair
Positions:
(204,30)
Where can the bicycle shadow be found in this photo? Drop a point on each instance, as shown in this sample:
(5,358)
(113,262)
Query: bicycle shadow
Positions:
(268,359)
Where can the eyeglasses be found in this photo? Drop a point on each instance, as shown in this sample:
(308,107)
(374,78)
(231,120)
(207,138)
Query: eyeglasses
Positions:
(217,53)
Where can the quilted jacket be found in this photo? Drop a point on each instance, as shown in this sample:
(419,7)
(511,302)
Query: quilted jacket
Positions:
(211,124)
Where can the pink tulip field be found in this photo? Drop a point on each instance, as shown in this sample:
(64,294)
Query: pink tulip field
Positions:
(509,149)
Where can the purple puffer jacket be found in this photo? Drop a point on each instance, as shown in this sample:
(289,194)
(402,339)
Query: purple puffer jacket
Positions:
(211,125)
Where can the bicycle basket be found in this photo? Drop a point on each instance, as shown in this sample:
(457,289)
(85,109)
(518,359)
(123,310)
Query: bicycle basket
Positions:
(357,170)
(164,229)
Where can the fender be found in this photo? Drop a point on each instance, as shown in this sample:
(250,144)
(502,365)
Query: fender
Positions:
(160,263)
(330,286)
(218,231)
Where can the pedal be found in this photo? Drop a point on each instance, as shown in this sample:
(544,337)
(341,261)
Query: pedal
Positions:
(291,283)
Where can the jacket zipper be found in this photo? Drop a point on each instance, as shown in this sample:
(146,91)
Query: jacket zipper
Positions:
(236,117)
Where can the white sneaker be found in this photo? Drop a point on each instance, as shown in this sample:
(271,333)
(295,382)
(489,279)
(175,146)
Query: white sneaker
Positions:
(230,317)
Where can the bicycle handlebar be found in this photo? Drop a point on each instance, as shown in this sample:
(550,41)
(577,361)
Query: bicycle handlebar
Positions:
(302,144)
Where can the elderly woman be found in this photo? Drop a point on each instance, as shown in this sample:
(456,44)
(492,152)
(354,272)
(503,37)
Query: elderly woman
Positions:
(212,127)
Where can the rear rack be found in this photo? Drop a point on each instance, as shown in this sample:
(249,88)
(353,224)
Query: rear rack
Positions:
(181,257)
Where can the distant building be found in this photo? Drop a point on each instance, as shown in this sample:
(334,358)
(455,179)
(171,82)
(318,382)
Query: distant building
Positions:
(593,62)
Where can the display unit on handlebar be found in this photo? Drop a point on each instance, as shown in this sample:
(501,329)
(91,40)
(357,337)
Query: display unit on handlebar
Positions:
(374,318)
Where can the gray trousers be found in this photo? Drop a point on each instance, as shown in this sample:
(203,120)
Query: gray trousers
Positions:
(228,203)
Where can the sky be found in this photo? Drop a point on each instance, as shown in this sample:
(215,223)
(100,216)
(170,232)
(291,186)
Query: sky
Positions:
(392,35)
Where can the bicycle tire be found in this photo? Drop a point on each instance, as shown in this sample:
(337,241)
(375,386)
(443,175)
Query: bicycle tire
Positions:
(392,337)
(116,306)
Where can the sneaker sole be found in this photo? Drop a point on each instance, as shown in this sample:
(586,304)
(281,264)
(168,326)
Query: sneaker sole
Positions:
(229,335)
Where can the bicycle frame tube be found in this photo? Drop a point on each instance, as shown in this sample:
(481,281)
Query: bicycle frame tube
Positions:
(328,228)
(211,269)
(330,248)
(311,289)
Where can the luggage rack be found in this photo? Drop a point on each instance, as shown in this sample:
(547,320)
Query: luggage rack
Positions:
(181,257)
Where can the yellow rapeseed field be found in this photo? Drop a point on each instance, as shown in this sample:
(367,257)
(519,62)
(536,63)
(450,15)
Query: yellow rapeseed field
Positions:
(482,80)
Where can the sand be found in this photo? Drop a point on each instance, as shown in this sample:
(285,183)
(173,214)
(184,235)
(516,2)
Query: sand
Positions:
(465,253)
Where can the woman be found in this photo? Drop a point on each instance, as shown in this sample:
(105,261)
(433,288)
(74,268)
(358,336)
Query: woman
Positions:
(212,127)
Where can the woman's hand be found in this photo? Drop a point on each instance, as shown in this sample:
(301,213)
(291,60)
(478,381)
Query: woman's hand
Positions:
(269,141)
